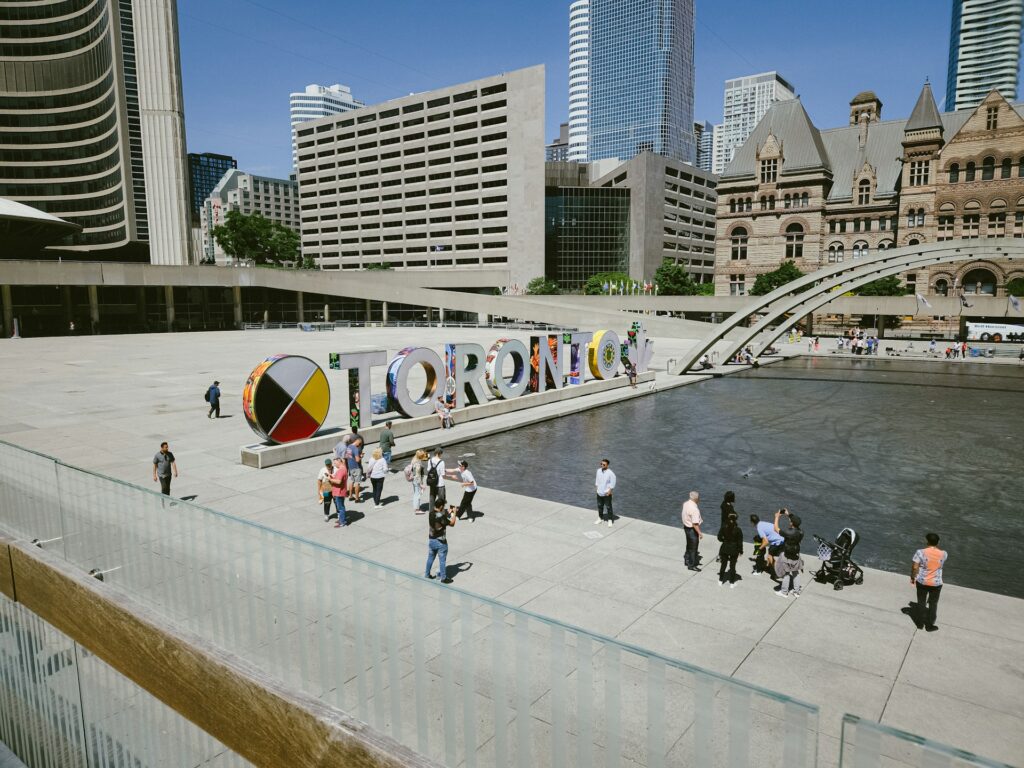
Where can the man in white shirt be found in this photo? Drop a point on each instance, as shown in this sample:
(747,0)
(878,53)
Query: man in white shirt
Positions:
(692,521)
(468,483)
(605,484)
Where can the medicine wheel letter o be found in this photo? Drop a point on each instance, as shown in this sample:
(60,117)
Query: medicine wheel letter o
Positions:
(286,398)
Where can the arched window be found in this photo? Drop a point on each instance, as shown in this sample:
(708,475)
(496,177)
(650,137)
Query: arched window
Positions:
(764,203)
(885,245)
(1020,168)
(954,173)
(970,172)
(835,253)
(804,198)
(771,202)
(786,201)
(942,286)
(749,204)
(864,192)
(1006,168)
(913,241)
(860,250)
(980,281)
(988,168)
(911,217)
(732,206)
(738,241)
(920,217)
(794,241)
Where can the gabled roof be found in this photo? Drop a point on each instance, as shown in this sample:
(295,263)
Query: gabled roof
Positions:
(925,113)
(801,142)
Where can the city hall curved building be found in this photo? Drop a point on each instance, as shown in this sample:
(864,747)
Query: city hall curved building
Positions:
(91,122)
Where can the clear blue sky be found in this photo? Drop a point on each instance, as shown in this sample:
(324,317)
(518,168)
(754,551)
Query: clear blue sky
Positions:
(241,58)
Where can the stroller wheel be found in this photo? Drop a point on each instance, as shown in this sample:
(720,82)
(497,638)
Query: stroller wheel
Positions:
(838,585)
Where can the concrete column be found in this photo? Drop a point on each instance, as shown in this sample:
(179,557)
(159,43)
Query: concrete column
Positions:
(384,312)
(94,307)
(236,300)
(881,326)
(368,315)
(300,304)
(440,316)
(5,295)
(483,318)
(266,317)
(140,308)
(69,312)
(327,313)
(169,301)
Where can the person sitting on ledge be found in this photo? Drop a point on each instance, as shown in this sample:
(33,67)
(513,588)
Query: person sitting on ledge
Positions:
(704,362)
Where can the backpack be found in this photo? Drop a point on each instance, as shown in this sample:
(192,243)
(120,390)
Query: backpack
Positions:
(206,397)
(408,472)
(432,477)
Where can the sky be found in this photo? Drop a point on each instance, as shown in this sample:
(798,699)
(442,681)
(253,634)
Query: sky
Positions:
(241,58)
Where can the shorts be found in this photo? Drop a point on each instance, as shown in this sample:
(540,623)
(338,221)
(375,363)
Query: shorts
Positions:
(775,549)
(355,475)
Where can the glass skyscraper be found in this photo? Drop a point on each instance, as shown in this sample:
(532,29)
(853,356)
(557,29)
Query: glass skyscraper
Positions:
(641,79)
(984,51)
(204,172)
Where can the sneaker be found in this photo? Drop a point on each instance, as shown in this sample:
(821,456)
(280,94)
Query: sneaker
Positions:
(732,585)
(610,523)
(431,577)
(377,506)
(721,583)
(449,581)
(780,593)
(932,628)
(419,511)
(340,525)
(796,592)
(598,521)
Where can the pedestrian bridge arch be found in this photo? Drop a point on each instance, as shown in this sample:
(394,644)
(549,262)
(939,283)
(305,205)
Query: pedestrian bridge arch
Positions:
(801,297)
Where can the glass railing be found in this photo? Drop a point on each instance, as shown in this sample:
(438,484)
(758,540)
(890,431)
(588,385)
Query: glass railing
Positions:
(866,744)
(62,707)
(460,679)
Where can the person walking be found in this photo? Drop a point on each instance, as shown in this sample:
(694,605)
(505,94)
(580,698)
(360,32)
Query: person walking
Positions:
(387,443)
(354,465)
(378,471)
(731,538)
(605,484)
(468,490)
(692,522)
(163,465)
(213,398)
(323,488)
(435,478)
(339,490)
(788,563)
(439,522)
(416,474)
(926,576)
(728,508)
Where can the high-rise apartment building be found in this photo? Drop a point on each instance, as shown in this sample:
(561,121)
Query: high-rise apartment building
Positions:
(273,199)
(746,101)
(984,51)
(579,67)
(640,79)
(448,178)
(94,130)
(704,137)
(558,150)
(318,101)
(204,172)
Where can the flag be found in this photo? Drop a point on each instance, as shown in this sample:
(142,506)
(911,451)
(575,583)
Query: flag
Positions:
(1015,303)
(963,302)
(923,300)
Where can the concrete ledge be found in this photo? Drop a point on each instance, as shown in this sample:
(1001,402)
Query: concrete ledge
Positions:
(262,455)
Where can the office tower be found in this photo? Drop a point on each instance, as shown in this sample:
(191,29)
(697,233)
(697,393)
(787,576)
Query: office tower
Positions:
(640,79)
(745,102)
(95,130)
(579,64)
(204,172)
(704,137)
(318,101)
(984,51)
(448,178)
(558,150)
(273,199)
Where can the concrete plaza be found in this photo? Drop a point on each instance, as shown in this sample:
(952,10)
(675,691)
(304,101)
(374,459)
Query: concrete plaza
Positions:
(105,403)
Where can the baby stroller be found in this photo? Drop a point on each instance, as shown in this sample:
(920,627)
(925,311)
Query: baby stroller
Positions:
(837,566)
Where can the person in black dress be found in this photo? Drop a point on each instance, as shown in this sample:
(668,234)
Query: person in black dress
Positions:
(731,548)
(727,508)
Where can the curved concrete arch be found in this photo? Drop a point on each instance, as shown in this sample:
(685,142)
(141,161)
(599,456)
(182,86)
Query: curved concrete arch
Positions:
(820,287)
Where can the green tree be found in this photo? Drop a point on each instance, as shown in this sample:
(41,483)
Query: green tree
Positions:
(378,266)
(542,286)
(1015,287)
(673,280)
(595,283)
(706,289)
(257,238)
(883,286)
(769,281)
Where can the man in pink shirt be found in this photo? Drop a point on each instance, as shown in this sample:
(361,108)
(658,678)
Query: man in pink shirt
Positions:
(692,521)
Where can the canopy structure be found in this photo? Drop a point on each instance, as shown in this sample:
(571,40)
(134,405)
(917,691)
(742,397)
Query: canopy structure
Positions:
(24,228)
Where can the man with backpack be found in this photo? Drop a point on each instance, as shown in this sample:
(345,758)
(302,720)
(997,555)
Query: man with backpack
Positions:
(213,398)
(435,478)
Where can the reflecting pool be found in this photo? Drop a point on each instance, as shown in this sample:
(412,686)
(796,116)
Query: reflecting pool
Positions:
(892,448)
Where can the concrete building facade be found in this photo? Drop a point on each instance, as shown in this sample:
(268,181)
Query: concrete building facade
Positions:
(820,197)
(98,93)
(448,178)
(640,79)
(579,80)
(984,51)
(744,103)
(318,101)
(273,199)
